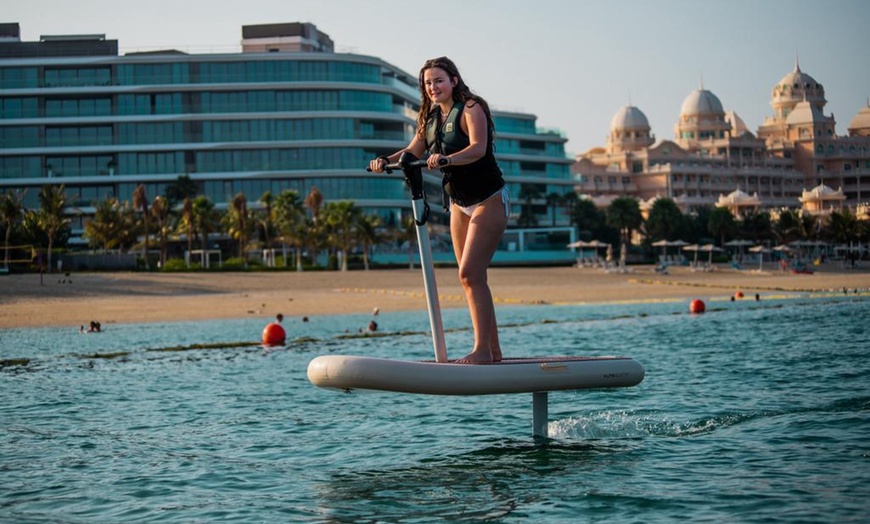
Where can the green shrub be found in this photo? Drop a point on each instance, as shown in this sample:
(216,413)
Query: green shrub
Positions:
(175,264)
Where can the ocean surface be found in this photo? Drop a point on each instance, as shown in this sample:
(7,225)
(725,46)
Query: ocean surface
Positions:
(752,412)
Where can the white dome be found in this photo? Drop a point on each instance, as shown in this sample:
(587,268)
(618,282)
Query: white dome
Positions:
(797,86)
(629,117)
(861,120)
(822,192)
(797,79)
(701,101)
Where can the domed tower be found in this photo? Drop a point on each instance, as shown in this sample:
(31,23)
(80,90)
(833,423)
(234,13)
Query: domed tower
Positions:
(629,131)
(794,88)
(701,119)
(860,125)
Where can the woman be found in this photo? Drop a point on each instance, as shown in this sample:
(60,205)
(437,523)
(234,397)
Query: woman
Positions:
(456,126)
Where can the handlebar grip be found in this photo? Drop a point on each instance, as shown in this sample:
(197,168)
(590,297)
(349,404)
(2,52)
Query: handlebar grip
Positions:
(417,163)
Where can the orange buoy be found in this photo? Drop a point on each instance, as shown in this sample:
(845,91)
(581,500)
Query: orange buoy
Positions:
(274,335)
(739,294)
(697,306)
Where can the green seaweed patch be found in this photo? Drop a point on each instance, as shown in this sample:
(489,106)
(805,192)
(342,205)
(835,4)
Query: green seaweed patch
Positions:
(214,345)
(13,362)
(106,356)
(305,340)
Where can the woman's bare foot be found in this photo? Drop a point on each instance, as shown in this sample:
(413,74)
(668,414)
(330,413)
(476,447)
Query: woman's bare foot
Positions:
(476,357)
(496,355)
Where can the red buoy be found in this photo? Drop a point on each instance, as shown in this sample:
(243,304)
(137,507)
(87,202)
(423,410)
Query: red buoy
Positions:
(739,294)
(274,335)
(697,306)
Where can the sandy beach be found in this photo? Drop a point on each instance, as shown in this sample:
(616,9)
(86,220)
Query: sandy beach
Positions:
(59,300)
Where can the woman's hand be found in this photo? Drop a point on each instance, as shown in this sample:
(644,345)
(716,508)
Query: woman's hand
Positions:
(377,165)
(437,161)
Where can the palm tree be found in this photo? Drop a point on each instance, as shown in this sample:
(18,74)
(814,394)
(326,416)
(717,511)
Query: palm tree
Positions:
(843,227)
(140,203)
(586,217)
(160,212)
(132,227)
(368,235)
(756,225)
(341,218)
(808,226)
(528,194)
(204,221)
(11,213)
(408,233)
(179,190)
(290,221)
(52,201)
(721,224)
(787,227)
(237,218)
(103,230)
(665,220)
(624,215)
(313,202)
(187,224)
(267,218)
(314,237)
(554,200)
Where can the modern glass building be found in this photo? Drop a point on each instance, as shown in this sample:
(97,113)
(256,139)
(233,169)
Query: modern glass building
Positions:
(285,113)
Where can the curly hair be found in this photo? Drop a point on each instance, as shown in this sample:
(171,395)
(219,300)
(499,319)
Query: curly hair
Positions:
(461,93)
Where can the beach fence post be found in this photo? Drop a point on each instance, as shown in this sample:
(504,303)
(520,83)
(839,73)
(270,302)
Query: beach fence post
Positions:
(540,415)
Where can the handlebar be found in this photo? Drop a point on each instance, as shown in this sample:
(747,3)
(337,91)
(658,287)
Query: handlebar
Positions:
(401,166)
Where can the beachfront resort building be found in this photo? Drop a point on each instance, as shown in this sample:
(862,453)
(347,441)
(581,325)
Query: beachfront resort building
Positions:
(287,112)
(795,159)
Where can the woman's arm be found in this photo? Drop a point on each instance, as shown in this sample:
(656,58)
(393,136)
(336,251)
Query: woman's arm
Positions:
(475,126)
(417,147)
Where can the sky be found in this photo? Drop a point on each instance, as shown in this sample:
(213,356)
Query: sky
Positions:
(571,63)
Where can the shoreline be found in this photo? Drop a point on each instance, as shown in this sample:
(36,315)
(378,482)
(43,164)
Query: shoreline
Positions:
(127,297)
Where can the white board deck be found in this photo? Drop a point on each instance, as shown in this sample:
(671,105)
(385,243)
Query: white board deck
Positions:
(514,375)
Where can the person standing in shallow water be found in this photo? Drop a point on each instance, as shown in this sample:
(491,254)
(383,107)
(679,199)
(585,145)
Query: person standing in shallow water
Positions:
(456,125)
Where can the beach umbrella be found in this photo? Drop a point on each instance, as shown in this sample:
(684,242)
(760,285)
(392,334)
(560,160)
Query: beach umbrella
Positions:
(710,248)
(662,244)
(739,243)
(579,244)
(693,247)
(761,250)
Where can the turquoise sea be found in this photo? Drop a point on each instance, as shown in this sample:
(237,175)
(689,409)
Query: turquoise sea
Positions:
(752,412)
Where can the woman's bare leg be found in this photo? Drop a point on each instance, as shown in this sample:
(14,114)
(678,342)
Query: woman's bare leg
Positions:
(475,240)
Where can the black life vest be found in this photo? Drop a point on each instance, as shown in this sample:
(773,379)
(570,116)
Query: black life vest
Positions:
(468,184)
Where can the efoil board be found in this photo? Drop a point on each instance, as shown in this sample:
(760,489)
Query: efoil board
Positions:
(513,375)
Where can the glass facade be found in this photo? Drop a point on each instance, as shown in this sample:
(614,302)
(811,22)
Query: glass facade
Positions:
(247,122)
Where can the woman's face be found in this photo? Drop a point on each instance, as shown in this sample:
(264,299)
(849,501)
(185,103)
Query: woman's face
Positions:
(438,84)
